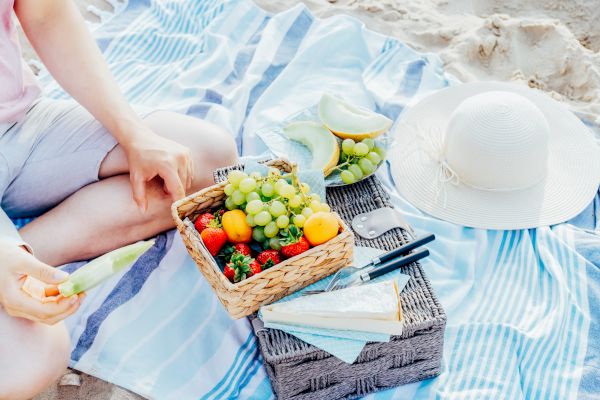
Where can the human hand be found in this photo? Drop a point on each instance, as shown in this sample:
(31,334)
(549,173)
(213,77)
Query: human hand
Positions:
(17,262)
(150,155)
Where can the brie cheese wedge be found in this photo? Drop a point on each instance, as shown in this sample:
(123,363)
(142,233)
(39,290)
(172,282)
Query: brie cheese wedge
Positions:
(366,308)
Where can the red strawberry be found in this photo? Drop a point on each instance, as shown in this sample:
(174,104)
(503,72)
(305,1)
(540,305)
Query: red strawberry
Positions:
(268,258)
(242,266)
(293,249)
(255,267)
(293,241)
(243,248)
(214,239)
(203,221)
(229,272)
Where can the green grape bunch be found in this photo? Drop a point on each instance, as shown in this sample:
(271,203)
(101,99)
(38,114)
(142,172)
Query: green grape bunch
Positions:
(358,160)
(272,203)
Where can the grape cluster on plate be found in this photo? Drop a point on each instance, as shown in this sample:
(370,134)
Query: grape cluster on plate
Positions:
(358,160)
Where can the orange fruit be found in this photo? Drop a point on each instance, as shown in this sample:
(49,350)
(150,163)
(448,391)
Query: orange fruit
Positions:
(321,227)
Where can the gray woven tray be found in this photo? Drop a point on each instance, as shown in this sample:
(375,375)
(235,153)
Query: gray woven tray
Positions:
(301,371)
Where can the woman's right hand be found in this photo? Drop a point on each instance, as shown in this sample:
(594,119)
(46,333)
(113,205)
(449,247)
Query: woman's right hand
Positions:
(15,262)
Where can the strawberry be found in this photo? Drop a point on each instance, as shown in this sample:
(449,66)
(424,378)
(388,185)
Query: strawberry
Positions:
(293,249)
(268,258)
(243,248)
(293,241)
(241,265)
(229,272)
(214,239)
(208,220)
(255,267)
(203,221)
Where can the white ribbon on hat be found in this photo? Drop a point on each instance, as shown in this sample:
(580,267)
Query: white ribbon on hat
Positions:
(433,144)
(431,141)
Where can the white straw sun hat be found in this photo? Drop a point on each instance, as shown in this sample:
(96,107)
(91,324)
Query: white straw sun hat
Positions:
(495,156)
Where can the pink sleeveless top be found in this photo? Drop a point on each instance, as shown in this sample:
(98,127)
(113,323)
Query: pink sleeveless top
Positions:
(18,86)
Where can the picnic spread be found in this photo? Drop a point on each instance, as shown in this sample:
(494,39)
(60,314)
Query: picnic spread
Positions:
(345,159)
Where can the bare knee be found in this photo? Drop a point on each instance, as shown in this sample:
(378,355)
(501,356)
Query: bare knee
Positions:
(220,151)
(33,356)
(211,146)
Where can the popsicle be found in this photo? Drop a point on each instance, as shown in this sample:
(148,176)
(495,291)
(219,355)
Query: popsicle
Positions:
(90,275)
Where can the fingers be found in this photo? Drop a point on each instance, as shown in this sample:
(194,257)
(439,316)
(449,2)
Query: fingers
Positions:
(138,186)
(185,171)
(173,182)
(24,306)
(70,311)
(41,271)
(184,176)
(174,167)
(49,320)
(190,174)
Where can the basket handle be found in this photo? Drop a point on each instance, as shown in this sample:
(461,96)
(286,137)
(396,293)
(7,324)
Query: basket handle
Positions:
(220,175)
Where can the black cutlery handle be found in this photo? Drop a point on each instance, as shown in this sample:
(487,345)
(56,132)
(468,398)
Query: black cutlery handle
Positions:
(397,263)
(404,249)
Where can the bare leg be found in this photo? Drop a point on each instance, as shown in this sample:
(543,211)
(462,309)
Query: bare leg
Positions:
(33,356)
(96,219)
(102,216)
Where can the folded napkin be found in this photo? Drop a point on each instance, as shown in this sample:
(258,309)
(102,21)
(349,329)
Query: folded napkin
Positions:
(345,345)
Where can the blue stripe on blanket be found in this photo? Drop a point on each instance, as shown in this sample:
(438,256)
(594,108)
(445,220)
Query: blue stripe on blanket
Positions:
(127,287)
(244,354)
(588,245)
(245,56)
(240,65)
(521,305)
(285,53)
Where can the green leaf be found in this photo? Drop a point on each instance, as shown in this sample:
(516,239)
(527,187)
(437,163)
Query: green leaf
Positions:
(291,235)
(218,217)
(226,252)
(241,266)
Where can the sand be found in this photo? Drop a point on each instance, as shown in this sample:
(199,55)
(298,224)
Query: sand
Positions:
(547,44)
(76,386)
(552,45)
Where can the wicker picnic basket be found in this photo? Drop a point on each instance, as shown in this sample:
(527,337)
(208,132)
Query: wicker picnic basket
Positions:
(245,297)
(300,371)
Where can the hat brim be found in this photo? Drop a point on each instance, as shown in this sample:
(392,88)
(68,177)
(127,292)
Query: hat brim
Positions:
(569,186)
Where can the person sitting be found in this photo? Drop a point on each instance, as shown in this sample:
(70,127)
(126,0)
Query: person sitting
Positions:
(96,174)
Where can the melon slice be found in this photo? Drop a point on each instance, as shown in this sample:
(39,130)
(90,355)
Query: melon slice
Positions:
(349,121)
(321,143)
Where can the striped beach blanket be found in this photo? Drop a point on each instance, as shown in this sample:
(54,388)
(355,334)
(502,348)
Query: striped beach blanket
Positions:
(522,306)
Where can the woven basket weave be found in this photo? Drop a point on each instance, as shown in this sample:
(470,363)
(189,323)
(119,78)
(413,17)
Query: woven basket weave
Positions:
(245,297)
(300,371)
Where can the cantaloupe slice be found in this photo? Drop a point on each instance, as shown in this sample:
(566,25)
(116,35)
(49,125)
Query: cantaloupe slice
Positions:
(321,143)
(349,121)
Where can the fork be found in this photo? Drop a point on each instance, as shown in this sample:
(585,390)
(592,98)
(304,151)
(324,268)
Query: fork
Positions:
(374,263)
(372,272)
